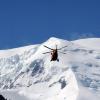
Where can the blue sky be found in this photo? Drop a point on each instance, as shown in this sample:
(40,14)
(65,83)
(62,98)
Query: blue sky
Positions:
(25,22)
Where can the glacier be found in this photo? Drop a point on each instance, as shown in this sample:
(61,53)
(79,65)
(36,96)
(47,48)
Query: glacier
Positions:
(27,74)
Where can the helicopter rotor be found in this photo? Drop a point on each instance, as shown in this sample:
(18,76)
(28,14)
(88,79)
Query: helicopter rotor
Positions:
(48,47)
(54,49)
(47,52)
(62,52)
(62,47)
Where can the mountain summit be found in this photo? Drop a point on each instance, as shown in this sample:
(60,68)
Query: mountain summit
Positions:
(27,74)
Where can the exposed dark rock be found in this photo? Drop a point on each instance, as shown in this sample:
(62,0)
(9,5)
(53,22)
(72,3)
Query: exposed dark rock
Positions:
(2,98)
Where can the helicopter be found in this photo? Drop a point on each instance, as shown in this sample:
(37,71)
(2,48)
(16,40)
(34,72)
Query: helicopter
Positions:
(54,52)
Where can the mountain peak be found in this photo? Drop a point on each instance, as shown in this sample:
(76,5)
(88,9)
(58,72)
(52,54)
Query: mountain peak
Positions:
(56,39)
(53,38)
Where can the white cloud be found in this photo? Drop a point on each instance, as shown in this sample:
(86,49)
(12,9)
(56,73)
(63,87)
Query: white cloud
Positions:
(74,36)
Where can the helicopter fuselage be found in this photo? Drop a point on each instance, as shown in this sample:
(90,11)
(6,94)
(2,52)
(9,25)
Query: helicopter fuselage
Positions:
(54,55)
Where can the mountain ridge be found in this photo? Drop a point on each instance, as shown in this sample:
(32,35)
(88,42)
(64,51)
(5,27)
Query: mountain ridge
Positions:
(25,73)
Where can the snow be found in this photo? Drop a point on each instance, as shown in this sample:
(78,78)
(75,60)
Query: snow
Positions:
(27,74)
(92,43)
(11,52)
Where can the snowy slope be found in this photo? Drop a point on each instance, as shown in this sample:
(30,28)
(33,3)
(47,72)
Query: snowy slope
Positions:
(26,73)
(92,43)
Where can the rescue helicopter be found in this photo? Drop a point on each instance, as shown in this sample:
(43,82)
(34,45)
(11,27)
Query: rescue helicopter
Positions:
(54,52)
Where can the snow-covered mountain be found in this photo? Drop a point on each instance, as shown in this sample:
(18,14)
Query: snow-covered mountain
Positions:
(27,74)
